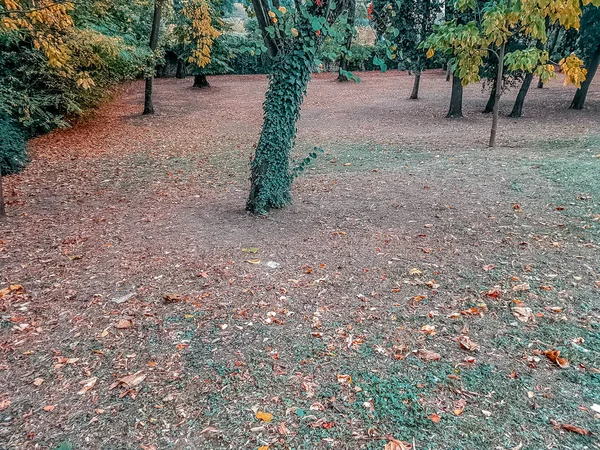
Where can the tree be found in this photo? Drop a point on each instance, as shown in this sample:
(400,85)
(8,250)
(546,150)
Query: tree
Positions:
(589,45)
(154,34)
(200,35)
(291,39)
(501,20)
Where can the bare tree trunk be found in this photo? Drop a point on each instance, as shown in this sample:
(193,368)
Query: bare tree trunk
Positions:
(592,67)
(148,106)
(200,81)
(448,71)
(489,107)
(415,90)
(180,69)
(344,56)
(497,99)
(2,210)
(517,110)
(455,111)
(540,84)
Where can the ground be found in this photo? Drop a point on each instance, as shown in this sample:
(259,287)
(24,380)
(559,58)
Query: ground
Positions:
(410,292)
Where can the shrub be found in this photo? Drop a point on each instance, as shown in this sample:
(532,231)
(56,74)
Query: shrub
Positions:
(13,147)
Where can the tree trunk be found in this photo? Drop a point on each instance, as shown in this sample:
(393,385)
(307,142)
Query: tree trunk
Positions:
(540,84)
(489,107)
(344,56)
(200,81)
(148,106)
(415,90)
(271,178)
(517,110)
(448,71)
(180,69)
(497,99)
(456,99)
(581,94)
(2,210)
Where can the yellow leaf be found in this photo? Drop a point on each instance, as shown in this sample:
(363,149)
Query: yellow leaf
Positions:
(264,416)
(430,53)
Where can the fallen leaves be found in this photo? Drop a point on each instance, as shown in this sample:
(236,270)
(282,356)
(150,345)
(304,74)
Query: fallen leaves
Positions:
(554,356)
(415,272)
(123,324)
(129,381)
(38,381)
(428,329)
(488,267)
(173,298)
(435,418)
(87,385)
(344,379)
(10,289)
(250,250)
(395,444)
(264,416)
(568,427)
(428,355)
(523,314)
(466,343)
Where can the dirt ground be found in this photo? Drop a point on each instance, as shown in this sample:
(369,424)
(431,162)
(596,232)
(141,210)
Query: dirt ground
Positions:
(415,290)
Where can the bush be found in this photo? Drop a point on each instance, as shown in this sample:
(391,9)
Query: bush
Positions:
(13,147)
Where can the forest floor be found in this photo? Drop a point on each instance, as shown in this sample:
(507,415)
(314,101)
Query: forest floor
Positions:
(413,291)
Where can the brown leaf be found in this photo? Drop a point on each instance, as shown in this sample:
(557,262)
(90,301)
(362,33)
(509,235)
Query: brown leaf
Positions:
(523,314)
(395,444)
(129,381)
(428,355)
(49,408)
(435,418)
(488,267)
(553,355)
(173,298)
(569,427)
(124,323)
(87,385)
(466,343)
(428,329)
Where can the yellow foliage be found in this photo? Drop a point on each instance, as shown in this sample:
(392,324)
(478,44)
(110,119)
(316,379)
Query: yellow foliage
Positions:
(573,69)
(45,22)
(202,31)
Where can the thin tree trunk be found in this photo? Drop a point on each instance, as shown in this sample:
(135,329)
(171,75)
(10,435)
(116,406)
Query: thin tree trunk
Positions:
(517,110)
(344,56)
(497,99)
(2,210)
(415,90)
(592,67)
(271,178)
(200,81)
(448,71)
(489,107)
(540,84)
(148,106)
(456,98)
(180,69)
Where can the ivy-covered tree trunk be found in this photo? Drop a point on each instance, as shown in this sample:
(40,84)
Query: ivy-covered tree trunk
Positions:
(414,95)
(2,210)
(517,110)
(180,73)
(148,105)
(200,81)
(592,67)
(271,178)
(350,32)
(489,106)
(455,111)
